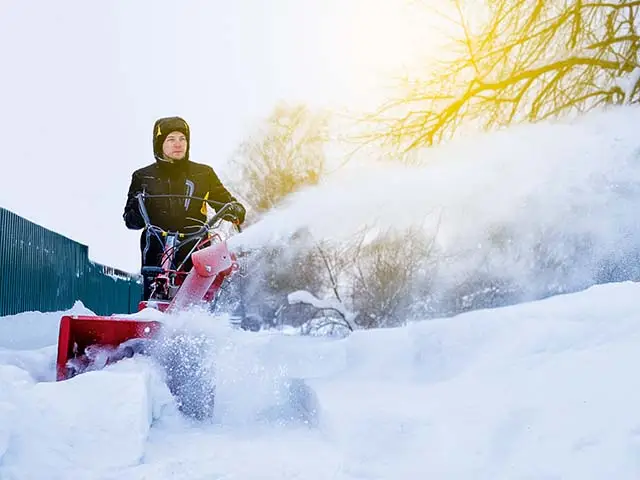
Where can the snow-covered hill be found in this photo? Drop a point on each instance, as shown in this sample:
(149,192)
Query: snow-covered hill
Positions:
(536,391)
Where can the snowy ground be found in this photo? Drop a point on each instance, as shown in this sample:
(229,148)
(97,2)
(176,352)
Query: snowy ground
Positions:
(544,390)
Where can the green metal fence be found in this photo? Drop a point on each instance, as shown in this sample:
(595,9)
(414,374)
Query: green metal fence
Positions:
(41,270)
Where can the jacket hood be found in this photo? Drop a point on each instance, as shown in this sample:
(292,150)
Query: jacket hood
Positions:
(163,127)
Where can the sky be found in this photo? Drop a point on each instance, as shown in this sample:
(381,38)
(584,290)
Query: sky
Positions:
(83,83)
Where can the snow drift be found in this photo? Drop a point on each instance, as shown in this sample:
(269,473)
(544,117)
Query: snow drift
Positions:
(538,390)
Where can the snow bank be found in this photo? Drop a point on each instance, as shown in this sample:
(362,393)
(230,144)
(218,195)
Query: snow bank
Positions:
(31,330)
(91,423)
(29,340)
(40,363)
(538,390)
(13,382)
(7,414)
(532,391)
(75,423)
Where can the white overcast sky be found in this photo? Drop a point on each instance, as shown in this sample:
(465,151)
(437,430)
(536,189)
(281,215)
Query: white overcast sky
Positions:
(82,83)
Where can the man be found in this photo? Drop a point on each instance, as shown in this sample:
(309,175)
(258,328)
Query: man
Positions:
(173,173)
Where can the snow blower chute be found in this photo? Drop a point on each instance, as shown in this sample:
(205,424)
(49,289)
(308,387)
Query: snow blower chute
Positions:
(91,342)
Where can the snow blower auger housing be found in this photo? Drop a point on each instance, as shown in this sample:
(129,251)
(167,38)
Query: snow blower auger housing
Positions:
(91,342)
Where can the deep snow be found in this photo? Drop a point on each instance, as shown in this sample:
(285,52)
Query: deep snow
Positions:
(534,391)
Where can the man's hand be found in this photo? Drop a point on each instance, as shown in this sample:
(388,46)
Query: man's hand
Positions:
(235,212)
(132,216)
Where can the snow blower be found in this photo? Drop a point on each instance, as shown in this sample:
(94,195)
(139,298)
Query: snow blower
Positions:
(91,342)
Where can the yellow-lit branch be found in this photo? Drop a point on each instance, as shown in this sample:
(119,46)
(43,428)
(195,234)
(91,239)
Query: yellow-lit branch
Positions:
(531,60)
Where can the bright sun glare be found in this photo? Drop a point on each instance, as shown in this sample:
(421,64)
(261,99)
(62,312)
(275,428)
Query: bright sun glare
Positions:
(371,43)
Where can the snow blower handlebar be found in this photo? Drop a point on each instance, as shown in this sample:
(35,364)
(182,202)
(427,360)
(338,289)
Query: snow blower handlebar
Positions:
(220,214)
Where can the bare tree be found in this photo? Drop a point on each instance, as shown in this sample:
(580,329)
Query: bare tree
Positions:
(530,60)
(282,156)
(365,282)
(323,314)
(385,273)
(325,307)
(278,270)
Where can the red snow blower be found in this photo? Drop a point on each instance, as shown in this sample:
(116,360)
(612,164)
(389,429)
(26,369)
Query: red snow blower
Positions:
(90,342)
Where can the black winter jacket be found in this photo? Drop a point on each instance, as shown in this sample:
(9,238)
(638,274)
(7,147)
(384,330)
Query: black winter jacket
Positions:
(180,178)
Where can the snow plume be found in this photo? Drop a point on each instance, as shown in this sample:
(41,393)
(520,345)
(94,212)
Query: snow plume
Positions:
(532,210)
(216,373)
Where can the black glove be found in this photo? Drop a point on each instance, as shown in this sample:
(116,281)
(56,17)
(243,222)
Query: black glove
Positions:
(235,212)
(132,216)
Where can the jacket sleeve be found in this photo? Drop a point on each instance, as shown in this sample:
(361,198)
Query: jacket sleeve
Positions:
(132,217)
(217,191)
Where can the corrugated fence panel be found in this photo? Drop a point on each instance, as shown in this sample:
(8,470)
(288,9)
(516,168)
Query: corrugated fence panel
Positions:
(41,270)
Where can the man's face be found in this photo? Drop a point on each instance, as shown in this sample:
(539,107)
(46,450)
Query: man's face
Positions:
(174,146)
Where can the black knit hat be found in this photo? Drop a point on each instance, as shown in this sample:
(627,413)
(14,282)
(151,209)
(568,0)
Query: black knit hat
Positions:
(163,127)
